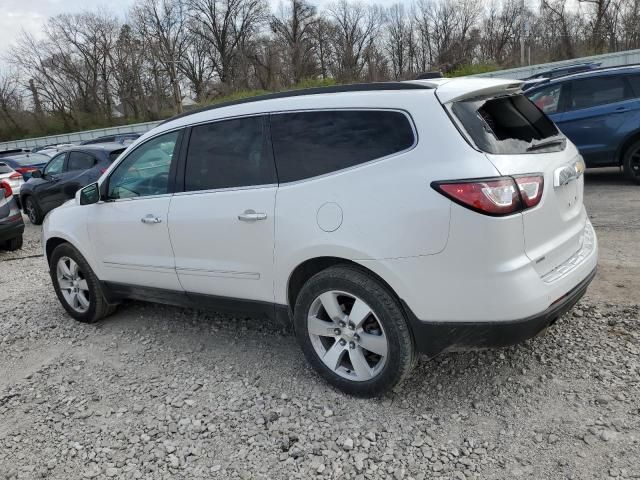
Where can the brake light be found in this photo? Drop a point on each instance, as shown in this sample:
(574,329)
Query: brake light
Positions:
(4,185)
(497,196)
(24,170)
(15,176)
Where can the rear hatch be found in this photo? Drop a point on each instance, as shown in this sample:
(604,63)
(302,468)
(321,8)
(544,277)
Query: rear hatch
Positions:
(521,140)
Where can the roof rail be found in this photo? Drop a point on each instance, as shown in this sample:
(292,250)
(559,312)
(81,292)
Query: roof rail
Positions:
(354,87)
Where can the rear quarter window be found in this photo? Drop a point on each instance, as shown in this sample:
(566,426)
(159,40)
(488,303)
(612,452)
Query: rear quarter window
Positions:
(308,144)
(4,168)
(508,125)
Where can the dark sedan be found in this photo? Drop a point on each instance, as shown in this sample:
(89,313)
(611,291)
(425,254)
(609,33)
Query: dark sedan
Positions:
(63,176)
(24,163)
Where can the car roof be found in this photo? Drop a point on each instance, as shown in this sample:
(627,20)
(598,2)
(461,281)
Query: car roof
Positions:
(101,147)
(596,72)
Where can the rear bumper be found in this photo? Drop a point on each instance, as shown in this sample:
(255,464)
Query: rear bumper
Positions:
(437,337)
(11,228)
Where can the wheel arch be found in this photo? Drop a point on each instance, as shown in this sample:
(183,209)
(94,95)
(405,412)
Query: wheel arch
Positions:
(630,140)
(307,269)
(51,245)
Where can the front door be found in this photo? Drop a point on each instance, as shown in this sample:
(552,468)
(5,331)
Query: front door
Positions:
(48,189)
(222,224)
(129,230)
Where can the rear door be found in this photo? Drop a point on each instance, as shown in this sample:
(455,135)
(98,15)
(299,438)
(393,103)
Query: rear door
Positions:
(74,176)
(520,140)
(222,224)
(596,108)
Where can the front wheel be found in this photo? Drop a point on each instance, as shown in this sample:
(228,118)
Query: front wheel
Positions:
(76,286)
(353,331)
(631,162)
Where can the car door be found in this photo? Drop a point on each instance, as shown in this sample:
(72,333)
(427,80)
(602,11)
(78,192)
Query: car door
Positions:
(595,110)
(47,188)
(72,178)
(128,227)
(222,224)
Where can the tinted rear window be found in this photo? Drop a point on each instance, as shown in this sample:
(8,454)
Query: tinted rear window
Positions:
(33,159)
(508,125)
(308,144)
(4,168)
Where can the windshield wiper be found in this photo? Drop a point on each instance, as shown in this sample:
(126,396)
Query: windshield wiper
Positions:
(547,144)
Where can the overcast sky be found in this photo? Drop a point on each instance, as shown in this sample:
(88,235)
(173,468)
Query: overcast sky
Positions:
(29,15)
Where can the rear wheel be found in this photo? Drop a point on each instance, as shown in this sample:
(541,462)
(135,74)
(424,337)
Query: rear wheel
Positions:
(631,162)
(33,211)
(14,244)
(353,331)
(76,286)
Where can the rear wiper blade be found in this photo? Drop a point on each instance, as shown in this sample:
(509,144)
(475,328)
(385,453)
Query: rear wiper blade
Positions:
(549,143)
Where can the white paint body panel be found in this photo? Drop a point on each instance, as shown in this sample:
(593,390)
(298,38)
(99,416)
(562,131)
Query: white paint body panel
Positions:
(446,262)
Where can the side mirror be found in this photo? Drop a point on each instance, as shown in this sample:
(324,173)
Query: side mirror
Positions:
(90,194)
(36,174)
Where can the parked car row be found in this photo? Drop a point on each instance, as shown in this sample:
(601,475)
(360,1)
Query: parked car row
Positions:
(11,223)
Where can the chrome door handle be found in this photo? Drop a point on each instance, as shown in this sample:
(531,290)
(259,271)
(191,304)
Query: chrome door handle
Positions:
(251,216)
(150,219)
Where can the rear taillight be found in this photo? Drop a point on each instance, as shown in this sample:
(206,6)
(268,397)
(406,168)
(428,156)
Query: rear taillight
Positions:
(24,170)
(4,185)
(15,176)
(496,196)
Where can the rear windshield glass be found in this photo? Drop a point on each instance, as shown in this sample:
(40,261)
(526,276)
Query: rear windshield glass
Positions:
(508,125)
(31,159)
(4,168)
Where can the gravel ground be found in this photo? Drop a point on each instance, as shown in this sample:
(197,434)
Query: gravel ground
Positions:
(159,392)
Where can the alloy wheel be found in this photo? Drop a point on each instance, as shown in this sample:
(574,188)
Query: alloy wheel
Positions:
(72,284)
(347,335)
(635,162)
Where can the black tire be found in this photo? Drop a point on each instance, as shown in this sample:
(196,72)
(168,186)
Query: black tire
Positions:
(401,354)
(33,211)
(98,306)
(631,162)
(14,244)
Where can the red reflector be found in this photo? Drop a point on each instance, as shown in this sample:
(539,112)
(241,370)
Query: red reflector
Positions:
(495,196)
(4,185)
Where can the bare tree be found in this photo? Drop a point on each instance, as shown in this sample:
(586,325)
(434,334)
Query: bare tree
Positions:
(225,26)
(163,24)
(293,28)
(356,27)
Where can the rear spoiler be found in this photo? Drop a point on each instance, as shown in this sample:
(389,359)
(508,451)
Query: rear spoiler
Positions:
(450,90)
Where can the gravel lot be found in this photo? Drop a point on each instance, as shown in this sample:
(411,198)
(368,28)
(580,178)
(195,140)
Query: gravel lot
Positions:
(159,392)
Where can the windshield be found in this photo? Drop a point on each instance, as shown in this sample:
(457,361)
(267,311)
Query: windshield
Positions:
(508,125)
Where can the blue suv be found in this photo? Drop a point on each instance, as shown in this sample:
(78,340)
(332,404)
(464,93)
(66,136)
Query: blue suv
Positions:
(599,111)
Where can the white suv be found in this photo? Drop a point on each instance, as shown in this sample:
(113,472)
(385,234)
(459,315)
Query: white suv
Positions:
(383,219)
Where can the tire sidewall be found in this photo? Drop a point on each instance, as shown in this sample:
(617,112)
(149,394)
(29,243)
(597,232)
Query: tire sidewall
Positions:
(628,169)
(37,220)
(386,309)
(66,250)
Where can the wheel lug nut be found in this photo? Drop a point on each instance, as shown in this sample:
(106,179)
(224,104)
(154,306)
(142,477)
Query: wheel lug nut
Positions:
(351,326)
(337,331)
(352,345)
(342,324)
(356,336)
(343,342)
